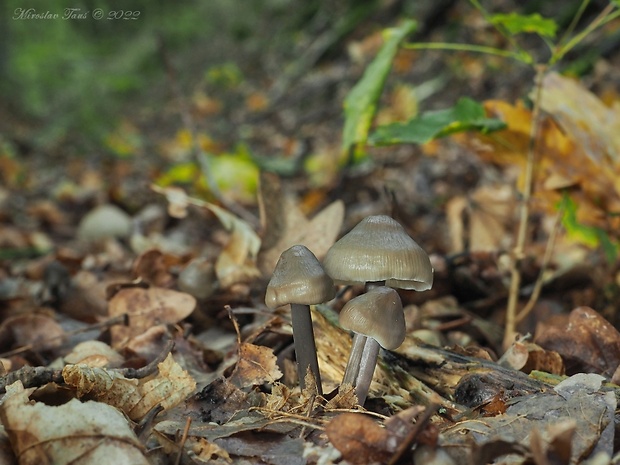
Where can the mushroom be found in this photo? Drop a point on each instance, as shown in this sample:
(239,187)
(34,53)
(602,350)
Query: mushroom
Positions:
(376,252)
(377,318)
(299,280)
(379,249)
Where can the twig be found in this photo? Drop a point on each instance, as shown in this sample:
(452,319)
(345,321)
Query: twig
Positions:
(524,211)
(40,376)
(413,434)
(525,311)
(188,423)
(31,377)
(151,367)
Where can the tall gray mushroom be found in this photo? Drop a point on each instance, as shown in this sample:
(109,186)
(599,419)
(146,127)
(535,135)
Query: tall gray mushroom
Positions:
(376,252)
(299,280)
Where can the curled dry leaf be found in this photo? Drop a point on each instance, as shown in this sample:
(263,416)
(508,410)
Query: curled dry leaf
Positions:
(74,433)
(256,365)
(171,386)
(147,308)
(237,262)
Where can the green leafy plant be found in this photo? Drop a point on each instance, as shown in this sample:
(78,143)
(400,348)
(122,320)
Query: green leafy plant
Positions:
(362,102)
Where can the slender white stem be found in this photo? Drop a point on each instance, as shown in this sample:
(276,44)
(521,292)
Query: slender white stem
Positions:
(368,363)
(353,365)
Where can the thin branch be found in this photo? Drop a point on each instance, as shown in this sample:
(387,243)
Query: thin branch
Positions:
(573,25)
(525,311)
(603,18)
(524,211)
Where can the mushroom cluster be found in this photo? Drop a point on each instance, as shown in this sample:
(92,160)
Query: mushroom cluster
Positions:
(378,253)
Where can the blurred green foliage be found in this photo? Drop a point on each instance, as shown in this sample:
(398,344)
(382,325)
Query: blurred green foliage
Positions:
(74,79)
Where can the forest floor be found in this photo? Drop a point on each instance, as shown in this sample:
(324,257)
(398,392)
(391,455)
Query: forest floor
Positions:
(110,263)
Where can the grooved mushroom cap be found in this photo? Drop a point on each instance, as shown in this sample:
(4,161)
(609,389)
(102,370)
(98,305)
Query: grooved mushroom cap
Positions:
(379,249)
(377,314)
(298,278)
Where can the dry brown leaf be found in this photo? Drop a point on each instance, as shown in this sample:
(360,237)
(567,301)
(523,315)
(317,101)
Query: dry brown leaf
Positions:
(588,343)
(361,440)
(153,267)
(591,123)
(94,354)
(490,211)
(178,201)
(565,157)
(39,331)
(285,225)
(257,365)
(206,451)
(237,262)
(527,356)
(74,433)
(147,308)
(168,388)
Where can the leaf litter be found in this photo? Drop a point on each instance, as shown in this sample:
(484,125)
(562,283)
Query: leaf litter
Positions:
(230,395)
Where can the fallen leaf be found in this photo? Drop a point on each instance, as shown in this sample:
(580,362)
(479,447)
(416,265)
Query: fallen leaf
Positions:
(361,440)
(146,308)
(74,433)
(169,387)
(94,354)
(591,123)
(285,225)
(237,261)
(39,331)
(153,267)
(256,365)
(587,343)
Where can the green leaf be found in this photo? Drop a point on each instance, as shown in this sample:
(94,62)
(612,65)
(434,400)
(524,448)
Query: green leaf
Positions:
(182,173)
(588,235)
(466,115)
(360,104)
(515,24)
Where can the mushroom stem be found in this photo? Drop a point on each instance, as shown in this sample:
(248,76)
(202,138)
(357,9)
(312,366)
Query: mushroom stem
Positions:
(355,356)
(367,366)
(305,347)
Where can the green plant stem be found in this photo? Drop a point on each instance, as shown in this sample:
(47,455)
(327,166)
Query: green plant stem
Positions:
(525,58)
(603,18)
(524,210)
(573,24)
(507,35)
